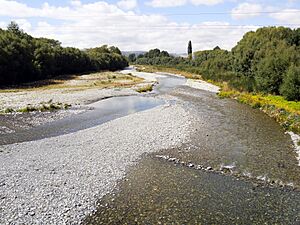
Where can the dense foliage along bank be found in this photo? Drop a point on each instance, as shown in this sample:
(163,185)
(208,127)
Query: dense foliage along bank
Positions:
(286,113)
(24,58)
(266,61)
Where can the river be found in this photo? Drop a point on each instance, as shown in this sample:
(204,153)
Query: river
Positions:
(238,167)
(249,175)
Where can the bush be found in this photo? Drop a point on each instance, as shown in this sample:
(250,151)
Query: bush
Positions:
(290,88)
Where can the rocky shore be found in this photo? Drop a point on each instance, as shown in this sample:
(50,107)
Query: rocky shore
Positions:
(58,180)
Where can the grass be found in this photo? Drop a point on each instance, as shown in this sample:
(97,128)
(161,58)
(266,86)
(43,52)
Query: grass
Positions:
(153,69)
(146,88)
(286,113)
(94,80)
(49,106)
(67,84)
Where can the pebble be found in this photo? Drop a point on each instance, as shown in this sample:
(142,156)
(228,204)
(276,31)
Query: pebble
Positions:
(58,173)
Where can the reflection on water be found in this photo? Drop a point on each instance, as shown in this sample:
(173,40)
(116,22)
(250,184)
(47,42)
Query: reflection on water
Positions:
(103,111)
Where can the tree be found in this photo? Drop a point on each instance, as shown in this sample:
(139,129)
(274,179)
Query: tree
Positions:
(190,50)
(24,58)
(14,28)
(164,54)
(154,53)
(116,50)
(290,88)
(132,57)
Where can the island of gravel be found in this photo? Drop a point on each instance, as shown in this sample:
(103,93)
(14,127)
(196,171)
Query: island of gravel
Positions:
(59,180)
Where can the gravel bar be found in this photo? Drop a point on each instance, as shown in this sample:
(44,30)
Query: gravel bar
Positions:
(59,180)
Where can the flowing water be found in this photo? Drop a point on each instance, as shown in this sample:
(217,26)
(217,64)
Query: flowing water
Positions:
(100,112)
(239,167)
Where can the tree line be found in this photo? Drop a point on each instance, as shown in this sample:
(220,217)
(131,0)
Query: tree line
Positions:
(24,58)
(267,60)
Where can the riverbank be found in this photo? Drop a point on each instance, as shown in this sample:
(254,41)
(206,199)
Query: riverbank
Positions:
(59,180)
(45,101)
(286,113)
(64,92)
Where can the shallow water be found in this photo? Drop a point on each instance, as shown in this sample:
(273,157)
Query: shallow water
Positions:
(226,133)
(156,192)
(101,112)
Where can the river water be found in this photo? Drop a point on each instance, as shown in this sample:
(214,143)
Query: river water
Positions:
(239,166)
(251,177)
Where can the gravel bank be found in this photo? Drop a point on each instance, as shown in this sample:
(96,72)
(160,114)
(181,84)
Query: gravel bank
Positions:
(58,180)
(296,140)
(13,122)
(17,100)
(203,85)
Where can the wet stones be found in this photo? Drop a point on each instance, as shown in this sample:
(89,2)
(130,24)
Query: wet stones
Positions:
(258,181)
(183,163)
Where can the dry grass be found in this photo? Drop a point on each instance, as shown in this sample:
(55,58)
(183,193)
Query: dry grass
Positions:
(65,91)
(77,83)
(153,69)
(146,88)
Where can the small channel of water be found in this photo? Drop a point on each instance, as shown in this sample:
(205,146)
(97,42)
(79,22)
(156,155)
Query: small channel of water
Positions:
(102,111)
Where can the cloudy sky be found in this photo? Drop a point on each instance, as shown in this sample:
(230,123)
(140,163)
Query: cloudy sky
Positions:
(142,25)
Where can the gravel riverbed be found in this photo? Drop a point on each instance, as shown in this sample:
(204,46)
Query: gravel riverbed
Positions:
(17,100)
(59,180)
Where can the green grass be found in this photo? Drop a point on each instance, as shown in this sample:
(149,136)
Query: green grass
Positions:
(8,110)
(286,113)
(146,88)
(44,107)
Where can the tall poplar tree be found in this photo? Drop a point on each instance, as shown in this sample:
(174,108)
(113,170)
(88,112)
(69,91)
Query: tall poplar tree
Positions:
(190,50)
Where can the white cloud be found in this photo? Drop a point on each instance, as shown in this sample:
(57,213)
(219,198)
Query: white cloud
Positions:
(93,24)
(3,25)
(9,8)
(290,16)
(175,3)
(246,10)
(206,2)
(75,3)
(166,3)
(24,24)
(127,4)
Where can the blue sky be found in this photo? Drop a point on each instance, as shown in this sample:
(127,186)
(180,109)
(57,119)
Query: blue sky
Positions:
(141,25)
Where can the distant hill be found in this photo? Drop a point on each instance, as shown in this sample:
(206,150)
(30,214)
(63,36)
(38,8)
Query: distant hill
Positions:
(127,53)
(184,55)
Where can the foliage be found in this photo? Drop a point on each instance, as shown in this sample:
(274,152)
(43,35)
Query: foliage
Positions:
(24,58)
(290,88)
(145,88)
(190,49)
(261,62)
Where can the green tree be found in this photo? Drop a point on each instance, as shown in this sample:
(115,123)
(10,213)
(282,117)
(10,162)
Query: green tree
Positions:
(14,28)
(290,88)
(24,58)
(132,57)
(164,54)
(190,50)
